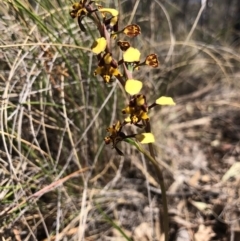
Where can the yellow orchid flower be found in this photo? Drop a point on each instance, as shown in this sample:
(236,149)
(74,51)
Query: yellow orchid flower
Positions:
(115,136)
(107,71)
(137,109)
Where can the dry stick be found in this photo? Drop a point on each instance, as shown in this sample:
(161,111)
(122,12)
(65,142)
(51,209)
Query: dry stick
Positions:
(196,20)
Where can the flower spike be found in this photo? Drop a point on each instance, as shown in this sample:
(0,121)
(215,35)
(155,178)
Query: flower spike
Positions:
(106,20)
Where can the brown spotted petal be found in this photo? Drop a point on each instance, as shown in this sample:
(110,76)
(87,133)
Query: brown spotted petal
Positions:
(76,7)
(132,30)
(124,45)
(152,60)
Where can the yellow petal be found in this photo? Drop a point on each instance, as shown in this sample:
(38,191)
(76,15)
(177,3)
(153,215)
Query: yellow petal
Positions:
(133,86)
(127,110)
(118,126)
(107,58)
(140,100)
(131,55)
(110,129)
(114,21)
(99,45)
(106,78)
(134,119)
(128,119)
(145,138)
(99,70)
(114,71)
(165,101)
(112,11)
(144,116)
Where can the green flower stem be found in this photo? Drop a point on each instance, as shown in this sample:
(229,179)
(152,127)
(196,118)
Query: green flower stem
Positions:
(162,185)
(151,157)
(128,74)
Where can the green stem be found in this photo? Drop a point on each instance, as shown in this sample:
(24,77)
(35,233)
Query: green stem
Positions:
(151,157)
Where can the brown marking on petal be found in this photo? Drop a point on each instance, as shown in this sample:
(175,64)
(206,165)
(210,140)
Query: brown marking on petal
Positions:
(106,78)
(124,45)
(132,30)
(107,140)
(152,60)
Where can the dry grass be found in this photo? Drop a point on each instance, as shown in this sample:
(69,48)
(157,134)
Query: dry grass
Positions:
(59,181)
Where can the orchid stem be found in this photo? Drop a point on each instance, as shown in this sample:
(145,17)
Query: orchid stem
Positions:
(151,157)
(159,174)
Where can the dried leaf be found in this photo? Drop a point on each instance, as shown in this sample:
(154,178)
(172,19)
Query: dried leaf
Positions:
(204,233)
(234,171)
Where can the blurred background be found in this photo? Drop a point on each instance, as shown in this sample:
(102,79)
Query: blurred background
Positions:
(54,114)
